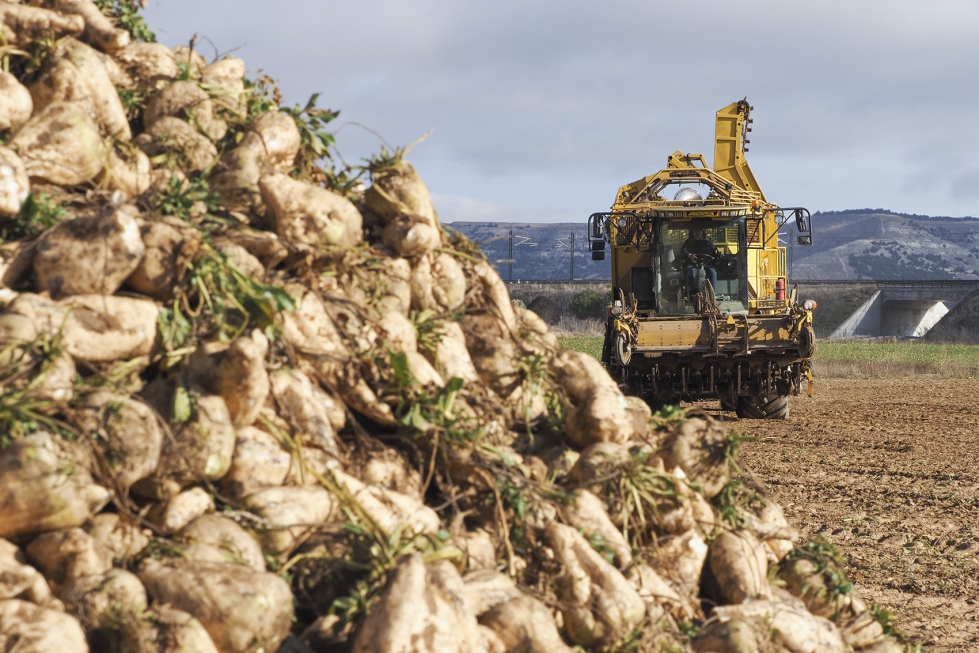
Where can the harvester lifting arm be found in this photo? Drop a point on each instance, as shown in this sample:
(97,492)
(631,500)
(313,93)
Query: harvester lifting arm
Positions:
(731,129)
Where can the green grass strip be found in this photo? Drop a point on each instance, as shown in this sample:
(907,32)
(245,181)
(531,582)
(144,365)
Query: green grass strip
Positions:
(861,358)
(591,345)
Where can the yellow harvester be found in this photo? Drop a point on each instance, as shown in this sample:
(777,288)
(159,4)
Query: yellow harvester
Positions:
(699,283)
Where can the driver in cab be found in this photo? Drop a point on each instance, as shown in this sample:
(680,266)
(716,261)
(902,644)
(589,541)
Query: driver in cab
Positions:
(699,250)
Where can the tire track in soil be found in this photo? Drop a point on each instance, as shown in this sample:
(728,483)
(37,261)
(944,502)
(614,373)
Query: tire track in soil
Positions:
(888,470)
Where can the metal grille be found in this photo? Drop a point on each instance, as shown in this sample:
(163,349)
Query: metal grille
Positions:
(635,231)
(728,235)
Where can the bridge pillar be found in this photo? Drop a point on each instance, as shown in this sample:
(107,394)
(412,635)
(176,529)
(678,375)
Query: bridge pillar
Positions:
(910,319)
(865,321)
(880,316)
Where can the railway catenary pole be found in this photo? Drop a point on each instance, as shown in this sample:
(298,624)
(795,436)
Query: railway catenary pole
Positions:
(520,240)
(572,256)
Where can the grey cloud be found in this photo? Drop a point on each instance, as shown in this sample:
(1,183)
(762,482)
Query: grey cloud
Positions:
(556,104)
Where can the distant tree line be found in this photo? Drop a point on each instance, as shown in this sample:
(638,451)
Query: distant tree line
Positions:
(910,216)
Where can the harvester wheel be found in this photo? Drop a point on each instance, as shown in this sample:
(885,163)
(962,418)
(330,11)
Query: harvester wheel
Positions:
(623,349)
(774,407)
(727,404)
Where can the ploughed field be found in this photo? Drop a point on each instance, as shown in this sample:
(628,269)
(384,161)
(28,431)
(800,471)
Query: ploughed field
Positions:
(888,470)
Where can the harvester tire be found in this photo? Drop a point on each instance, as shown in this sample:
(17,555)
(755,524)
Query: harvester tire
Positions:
(727,404)
(774,407)
(623,349)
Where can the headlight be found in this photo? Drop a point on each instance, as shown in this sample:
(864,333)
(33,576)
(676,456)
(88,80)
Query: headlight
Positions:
(622,223)
(809,305)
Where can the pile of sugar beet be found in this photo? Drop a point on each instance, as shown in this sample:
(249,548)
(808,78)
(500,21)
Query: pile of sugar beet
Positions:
(247,404)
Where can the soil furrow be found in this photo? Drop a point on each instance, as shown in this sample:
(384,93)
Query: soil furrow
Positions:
(889,471)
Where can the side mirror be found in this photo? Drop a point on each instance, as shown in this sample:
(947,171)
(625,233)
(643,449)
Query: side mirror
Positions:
(803,222)
(596,246)
(598,256)
(804,240)
(596,226)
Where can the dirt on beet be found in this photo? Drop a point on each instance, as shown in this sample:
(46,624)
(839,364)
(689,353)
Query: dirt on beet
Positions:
(889,471)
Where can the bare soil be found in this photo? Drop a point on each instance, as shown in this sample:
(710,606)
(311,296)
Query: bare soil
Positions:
(888,470)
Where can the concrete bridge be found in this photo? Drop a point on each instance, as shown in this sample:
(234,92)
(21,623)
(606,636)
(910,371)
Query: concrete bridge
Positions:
(906,309)
(902,309)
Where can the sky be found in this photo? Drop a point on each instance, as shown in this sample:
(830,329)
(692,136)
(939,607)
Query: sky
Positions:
(540,109)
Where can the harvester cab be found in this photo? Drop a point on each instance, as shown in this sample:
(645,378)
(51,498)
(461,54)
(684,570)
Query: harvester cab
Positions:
(699,280)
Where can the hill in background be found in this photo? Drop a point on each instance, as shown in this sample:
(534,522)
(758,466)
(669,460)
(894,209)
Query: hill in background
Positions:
(540,252)
(880,244)
(847,245)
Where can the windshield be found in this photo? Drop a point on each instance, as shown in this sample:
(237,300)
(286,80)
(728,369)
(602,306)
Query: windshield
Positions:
(691,254)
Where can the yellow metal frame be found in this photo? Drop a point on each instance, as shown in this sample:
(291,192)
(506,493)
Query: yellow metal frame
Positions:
(756,352)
